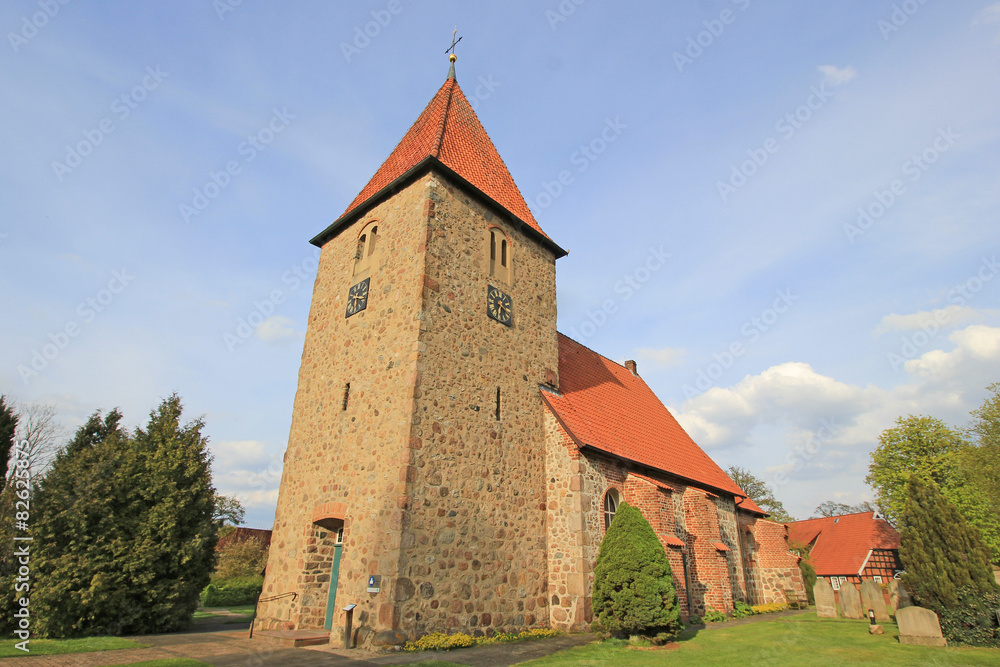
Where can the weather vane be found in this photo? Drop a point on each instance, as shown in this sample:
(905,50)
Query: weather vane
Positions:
(451,48)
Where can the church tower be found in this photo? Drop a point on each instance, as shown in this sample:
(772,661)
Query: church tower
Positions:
(414,478)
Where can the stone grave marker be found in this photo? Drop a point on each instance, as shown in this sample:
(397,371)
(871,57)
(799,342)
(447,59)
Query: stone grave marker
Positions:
(826,603)
(850,601)
(898,596)
(919,626)
(872,598)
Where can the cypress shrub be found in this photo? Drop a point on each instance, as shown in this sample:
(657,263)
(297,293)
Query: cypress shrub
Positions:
(809,577)
(973,621)
(633,586)
(941,551)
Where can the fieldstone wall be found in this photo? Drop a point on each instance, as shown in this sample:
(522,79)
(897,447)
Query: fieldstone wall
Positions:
(473,527)
(779,568)
(356,452)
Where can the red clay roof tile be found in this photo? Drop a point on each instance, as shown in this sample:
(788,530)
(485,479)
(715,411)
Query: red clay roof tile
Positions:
(449,130)
(842,542)
(604,406)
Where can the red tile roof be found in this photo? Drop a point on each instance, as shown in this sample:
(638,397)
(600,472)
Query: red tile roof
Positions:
(842,542)
(449,130)
(604,406)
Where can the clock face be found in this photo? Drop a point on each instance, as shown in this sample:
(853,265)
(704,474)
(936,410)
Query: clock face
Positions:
(357,298)
(499,306)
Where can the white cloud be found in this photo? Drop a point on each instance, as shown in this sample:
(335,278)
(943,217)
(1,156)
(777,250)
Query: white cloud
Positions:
(241,453)
(792,422)
(662,358)
(276,329)
(948,316)
(836,76)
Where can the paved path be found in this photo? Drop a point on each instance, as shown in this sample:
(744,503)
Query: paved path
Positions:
(233,649)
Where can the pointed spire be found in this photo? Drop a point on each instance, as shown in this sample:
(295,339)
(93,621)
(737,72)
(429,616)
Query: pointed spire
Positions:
(449,132)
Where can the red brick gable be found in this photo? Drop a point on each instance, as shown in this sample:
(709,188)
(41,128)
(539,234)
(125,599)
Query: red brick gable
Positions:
(841,543)
(603,405)
(449,130)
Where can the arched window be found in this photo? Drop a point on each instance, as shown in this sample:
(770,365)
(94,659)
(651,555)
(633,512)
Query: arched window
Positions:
(365,253)
(611,501)
(500,259)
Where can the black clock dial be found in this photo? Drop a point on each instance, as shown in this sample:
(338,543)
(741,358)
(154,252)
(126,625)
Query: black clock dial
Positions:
(357,297)
(499,306)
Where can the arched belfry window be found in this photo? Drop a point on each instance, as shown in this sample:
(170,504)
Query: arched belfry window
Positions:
(611,501)
(368,243)
(499,255)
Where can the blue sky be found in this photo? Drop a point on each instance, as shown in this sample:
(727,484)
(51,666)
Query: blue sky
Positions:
(786,212)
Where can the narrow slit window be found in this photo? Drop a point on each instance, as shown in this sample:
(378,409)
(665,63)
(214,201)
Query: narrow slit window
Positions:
(372,241)
(498,404)
(347,395)
(610,507)
(493,253)
(361,247)
(503,253)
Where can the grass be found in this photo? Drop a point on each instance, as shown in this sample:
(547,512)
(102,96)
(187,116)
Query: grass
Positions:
(167,662)
(60,646)
(795,640)
(212,612)
(435,663)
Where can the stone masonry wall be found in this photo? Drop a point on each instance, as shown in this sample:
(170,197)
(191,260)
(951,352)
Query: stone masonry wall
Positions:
(779,567)
(473,553)
(355,453)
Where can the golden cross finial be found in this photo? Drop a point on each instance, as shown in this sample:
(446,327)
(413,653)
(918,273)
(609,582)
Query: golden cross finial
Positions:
(451,48)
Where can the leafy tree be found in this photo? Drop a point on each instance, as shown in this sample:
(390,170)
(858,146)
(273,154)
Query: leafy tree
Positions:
(981,471)
(760,493)
(633,586)
(940,550)
(830,508)
(240,558)
(228,510)
(124,527)
(8,427)
(923,446)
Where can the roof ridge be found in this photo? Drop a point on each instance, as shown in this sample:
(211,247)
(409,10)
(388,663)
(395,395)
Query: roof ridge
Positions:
(436,151)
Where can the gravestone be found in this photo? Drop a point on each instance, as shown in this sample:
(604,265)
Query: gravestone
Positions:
(919,626)
(898,596)
(872,598)
(826,603)
(850,601)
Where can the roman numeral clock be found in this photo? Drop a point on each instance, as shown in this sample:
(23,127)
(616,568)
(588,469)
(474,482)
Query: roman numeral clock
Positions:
(499,306)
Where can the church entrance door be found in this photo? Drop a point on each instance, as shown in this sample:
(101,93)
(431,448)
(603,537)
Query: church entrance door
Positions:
(331,601)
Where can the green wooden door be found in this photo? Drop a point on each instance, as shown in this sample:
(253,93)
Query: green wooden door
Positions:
(331,602)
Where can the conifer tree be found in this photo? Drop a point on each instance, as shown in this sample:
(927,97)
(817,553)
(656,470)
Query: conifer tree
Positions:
(123,524)
(940,550)
(633,586)
(8,427)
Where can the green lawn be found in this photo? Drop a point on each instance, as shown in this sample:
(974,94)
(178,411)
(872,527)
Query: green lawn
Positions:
(58,646)
(210,612)
(168,662)
(794,640)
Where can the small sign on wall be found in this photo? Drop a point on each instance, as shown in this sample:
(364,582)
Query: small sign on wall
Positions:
(375,583)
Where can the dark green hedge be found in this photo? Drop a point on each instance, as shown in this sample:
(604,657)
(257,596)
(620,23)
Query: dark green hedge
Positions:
(232,592)
(973,621)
